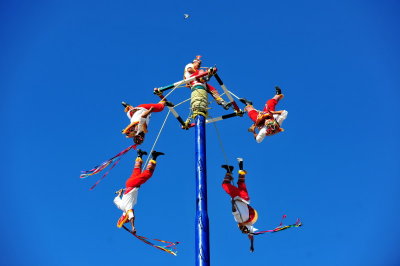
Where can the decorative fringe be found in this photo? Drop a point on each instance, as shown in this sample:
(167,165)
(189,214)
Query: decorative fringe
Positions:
(169,248)
(281,227)
(97,169)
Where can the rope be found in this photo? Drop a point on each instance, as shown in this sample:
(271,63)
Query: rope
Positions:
(188,99)
(221,144)
(155,142)
(234,95)
(169,93)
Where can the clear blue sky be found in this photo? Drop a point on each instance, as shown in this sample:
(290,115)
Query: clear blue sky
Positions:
(66,66)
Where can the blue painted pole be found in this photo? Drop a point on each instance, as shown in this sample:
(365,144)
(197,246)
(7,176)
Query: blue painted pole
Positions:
(202,229)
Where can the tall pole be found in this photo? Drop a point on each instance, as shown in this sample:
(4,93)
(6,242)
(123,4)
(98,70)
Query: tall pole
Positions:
(202,228)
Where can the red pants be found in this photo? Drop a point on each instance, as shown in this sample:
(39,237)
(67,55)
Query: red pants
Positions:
(253,115)
(212,89)
(233,191)
(138,177)
(158,107)
(270,105)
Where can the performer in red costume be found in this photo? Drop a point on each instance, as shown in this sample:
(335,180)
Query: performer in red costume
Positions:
(132,185)
(269,120)
(242,212)
(193,69)
(139,117)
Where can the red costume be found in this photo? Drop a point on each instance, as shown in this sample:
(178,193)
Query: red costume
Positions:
(269,106)
(138,177)
(239,191)
(201,83)
(133,183)
(243,213)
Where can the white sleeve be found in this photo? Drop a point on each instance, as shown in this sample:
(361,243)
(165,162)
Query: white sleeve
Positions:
(261,135)
(281,117)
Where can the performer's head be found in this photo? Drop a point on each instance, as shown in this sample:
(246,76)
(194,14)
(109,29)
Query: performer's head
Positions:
(133,131)
(139,138)
(244,229)
(197,62)
(190,65)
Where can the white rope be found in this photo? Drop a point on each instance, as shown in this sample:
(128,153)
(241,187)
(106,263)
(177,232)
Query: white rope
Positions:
(169,93)
(221,144)
(234,95)
(155,142)
(188,99)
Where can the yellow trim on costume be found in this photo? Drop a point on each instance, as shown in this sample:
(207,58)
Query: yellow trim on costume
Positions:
(253,221)
(138,159)
(152,161)
(242,172)
(120,223)
(255,217)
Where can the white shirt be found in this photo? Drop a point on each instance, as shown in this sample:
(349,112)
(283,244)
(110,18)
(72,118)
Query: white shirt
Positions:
(187,75)
(241,214)
(136,117)
(127,201)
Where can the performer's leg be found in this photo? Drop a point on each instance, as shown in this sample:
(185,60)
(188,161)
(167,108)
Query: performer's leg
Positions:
(251,112)
(138,162)
(157,107)
(270,104)
(212,89)
(242,185)
(215,94)
(137,170)
(230,189)
(148,172)
(226,183)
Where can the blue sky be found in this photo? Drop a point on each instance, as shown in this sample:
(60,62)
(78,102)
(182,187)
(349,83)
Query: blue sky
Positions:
(66,66)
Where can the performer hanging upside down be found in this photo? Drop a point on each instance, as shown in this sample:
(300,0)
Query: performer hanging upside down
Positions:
(268,121)
(140,118)
(193,69)
(132,185)
(242,212)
